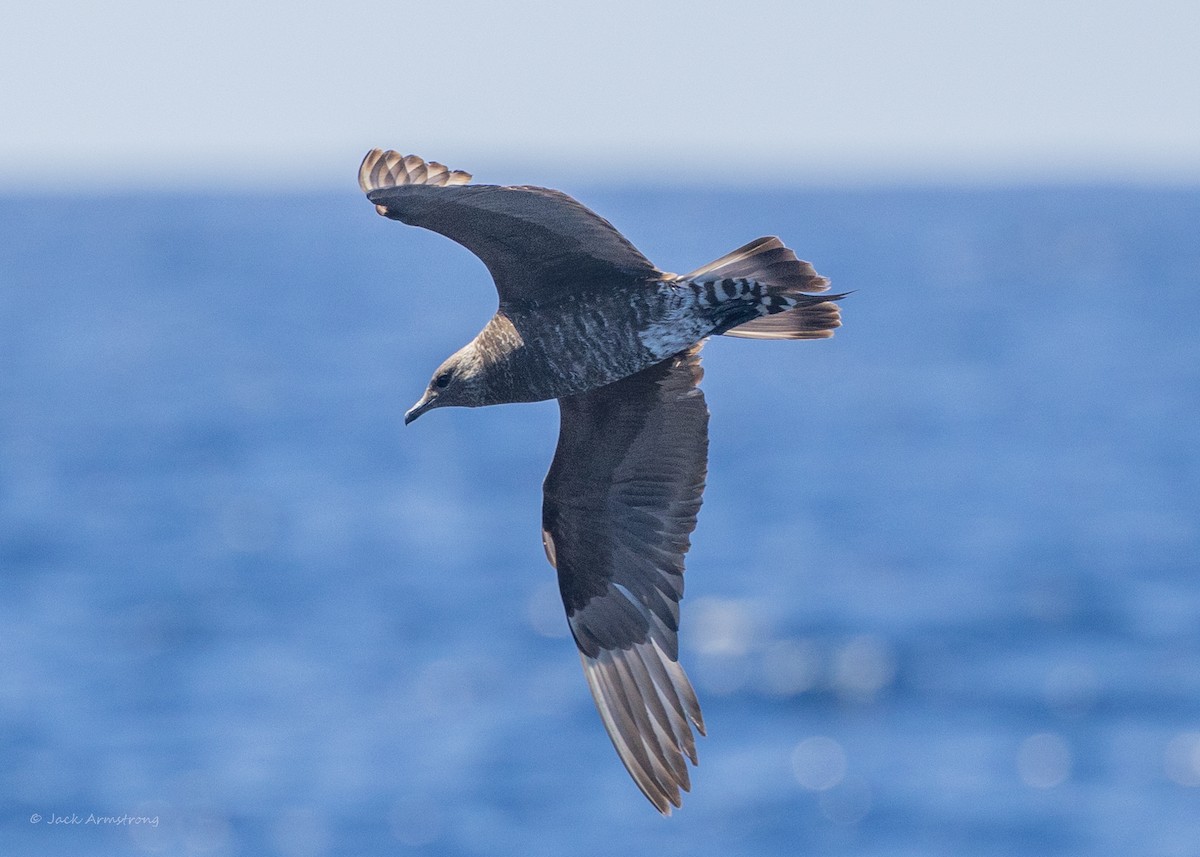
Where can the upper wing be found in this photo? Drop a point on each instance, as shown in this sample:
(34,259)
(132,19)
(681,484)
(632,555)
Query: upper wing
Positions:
(531,239)
(620,502)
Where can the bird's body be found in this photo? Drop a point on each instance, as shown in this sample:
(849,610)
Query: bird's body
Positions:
(586,319)
(641,320)
(548,350)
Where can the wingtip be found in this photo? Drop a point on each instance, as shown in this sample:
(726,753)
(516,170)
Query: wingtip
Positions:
(385,168)
(646,702)
(364,169)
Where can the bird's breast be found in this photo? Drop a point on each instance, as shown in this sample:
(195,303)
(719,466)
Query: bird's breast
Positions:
(579,344)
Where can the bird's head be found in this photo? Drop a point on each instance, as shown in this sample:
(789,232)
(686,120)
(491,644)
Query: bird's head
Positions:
(458,381)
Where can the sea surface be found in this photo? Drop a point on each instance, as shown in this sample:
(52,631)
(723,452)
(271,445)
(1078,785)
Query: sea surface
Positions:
(943,599)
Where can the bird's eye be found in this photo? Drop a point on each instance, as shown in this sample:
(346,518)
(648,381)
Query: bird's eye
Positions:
(442,381)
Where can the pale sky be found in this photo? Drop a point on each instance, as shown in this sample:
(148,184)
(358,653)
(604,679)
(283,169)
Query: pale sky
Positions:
(152,93)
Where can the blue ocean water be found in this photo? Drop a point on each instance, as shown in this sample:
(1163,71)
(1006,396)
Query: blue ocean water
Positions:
(943,599)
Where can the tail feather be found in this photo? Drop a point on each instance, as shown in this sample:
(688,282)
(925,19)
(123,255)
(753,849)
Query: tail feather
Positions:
(812,321)
(766,278)
(767,261)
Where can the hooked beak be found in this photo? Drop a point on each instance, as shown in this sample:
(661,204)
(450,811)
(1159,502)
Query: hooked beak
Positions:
(420,407)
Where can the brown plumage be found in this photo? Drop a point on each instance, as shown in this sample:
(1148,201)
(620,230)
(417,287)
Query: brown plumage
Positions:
(587,319)
(621,500)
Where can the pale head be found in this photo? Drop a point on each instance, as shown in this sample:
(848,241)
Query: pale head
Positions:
(458,381)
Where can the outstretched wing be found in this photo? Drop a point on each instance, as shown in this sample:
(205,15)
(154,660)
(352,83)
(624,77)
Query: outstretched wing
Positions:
(533,240)
(620,502)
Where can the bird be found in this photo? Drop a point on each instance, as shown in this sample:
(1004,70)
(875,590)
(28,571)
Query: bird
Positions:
(587,319)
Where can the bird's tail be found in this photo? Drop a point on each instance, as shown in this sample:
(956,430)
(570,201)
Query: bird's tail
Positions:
(768,274)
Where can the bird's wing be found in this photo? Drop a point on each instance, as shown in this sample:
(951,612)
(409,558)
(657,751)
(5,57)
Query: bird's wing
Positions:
(620,502)
(533,240)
